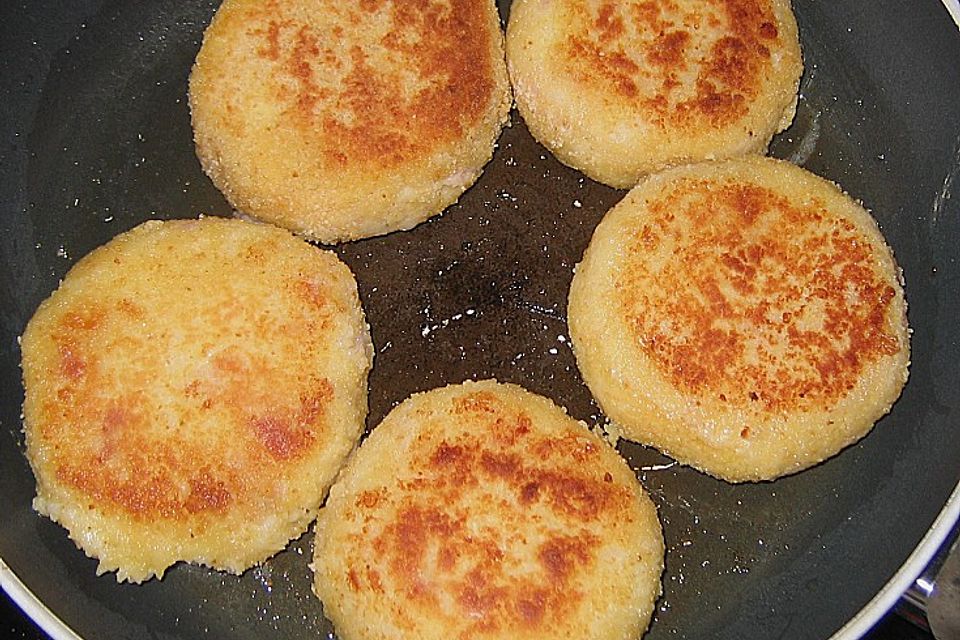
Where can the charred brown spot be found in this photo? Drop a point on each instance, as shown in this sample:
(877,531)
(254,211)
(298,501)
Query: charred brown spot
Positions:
(609,23)
(578,497)
(311,292)
(456,464)
(82,321)
(277,435)
(479,402)
(370,499)
(130,309)
(353,579)
(360,101)
(374,580)
(288,434)
(529,492)
(668,64)
(407,542)
(447,455)
(669,49)
(72,337)
(508,466)
(207,494)
(768,31)
(531,608)
(149,492)
(563,555)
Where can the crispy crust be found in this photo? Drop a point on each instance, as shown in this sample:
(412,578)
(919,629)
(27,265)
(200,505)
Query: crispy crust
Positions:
(345,120)
(481,510)
(192,388)
(746,317)
(620,89)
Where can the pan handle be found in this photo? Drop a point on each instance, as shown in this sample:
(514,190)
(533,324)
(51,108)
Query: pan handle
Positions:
(932,602)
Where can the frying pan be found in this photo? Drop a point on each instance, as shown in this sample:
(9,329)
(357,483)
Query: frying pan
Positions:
(96,138)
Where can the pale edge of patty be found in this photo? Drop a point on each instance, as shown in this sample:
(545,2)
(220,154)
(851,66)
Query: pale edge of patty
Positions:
(703,432)
(257,490)
(482,506)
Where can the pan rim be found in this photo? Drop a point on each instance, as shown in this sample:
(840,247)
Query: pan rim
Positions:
(908,572)
(856,627)
(932,541)
(953,7)
(34,607)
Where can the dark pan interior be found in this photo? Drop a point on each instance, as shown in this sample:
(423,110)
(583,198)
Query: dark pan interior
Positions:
(96,138)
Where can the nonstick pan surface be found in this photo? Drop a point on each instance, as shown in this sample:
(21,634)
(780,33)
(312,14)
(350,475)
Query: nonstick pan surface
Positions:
(97,138)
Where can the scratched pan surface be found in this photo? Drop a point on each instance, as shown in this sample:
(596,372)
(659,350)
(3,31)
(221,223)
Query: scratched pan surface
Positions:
(97,139)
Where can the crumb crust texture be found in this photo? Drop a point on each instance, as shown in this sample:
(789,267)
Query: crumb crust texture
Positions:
(746,317)
(344,120)
(192,389)
(482,510)
(622,89)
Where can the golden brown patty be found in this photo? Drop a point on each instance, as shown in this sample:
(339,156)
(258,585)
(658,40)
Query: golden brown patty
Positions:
(745,317)
(620,89)
(341,120)
(483,511)
(192,389)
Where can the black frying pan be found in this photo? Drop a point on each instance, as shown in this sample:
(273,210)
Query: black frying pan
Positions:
(96,138)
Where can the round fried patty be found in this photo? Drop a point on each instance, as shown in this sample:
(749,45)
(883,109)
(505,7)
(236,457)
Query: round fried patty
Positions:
(482,510)
(745,317)
(618,89)
(342,120)
(192,389)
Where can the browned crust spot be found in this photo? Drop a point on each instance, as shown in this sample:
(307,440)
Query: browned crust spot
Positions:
(764,303)
(372,113)
(654,56)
